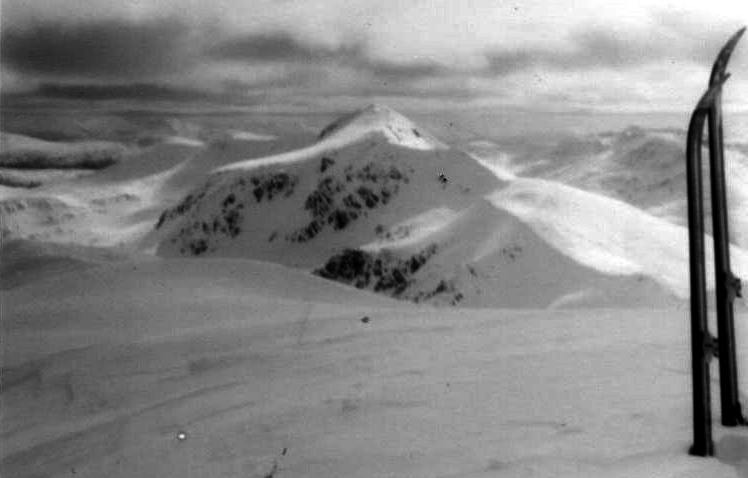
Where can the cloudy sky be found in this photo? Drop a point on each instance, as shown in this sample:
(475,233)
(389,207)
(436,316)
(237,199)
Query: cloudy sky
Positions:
(623,55)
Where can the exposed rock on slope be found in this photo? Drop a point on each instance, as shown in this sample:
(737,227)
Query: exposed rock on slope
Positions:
(380,271)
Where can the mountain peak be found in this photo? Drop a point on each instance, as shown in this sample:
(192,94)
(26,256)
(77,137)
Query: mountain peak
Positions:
(382,119)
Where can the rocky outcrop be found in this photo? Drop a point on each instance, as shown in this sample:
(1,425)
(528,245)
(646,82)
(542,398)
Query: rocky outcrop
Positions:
(382,271)
(339,200)
(197,236)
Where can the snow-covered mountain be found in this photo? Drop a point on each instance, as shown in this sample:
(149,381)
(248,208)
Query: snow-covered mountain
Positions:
(366,174)
(380,204)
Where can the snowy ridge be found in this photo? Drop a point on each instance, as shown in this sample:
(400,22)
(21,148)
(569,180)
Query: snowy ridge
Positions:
(184,141)
(250,136)
(352,128)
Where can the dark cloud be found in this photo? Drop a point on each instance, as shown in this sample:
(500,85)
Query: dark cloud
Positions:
(129,91)
(100,49)
(125,59)
(508,62)
(590,48)
(141,91)
(402,71)
(611,49)
(283,47)
(277,46)
(413,91)
(297,78)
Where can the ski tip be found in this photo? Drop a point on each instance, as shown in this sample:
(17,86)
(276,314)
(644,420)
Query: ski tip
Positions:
(707,100)
(734,39)
(720,64)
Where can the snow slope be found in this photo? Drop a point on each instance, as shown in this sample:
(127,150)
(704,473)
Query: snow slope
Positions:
(607,234)
(85,212)
(114,206)
(486,256)
(26,261)
(214,367)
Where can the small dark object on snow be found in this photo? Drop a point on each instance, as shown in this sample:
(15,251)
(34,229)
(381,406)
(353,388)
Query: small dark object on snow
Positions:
(442,178)
(365,319)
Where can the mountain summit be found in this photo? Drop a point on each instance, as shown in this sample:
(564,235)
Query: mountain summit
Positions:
(398,129)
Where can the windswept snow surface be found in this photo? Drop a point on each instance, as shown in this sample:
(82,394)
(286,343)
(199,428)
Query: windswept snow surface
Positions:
(217,368)
(109,214)
(249,136)
(415,230)
(606,234)
(500,165)
(184,141)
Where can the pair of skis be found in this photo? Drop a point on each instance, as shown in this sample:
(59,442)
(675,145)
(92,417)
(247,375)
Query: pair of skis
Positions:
(704,346)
